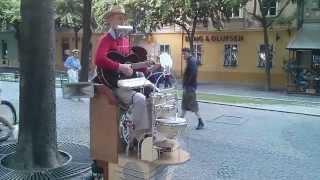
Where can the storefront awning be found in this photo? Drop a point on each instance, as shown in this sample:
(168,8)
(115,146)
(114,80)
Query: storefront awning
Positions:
(308,37)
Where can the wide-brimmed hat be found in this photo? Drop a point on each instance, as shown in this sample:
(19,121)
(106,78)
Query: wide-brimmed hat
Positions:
(115,9)
(75,50)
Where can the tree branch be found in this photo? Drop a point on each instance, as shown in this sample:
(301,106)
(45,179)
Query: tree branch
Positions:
(181,24)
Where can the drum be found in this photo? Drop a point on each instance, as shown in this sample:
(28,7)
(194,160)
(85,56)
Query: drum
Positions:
(165,111)
(171,127)
(164,98)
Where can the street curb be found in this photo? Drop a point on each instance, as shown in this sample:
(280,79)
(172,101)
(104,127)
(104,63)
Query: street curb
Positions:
(263,98)
(249,107)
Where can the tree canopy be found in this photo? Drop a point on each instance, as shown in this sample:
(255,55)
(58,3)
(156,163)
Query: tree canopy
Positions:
(69,14)
(9,13)
(188,14)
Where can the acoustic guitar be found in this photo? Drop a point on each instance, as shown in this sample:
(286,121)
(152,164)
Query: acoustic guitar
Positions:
(110,78)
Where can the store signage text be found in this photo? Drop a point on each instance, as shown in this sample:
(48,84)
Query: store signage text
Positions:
(214,38)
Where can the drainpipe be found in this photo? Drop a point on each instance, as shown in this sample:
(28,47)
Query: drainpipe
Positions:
(180,53)
(300,7)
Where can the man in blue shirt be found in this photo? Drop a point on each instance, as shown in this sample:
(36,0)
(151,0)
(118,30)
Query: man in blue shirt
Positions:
(189,98)
(72,64)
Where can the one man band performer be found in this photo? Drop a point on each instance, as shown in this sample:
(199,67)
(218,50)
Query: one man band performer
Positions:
(114,41)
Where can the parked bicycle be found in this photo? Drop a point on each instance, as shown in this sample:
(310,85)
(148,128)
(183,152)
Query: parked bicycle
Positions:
(8,118)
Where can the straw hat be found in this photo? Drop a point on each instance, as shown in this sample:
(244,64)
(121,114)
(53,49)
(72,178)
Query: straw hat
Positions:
(115,9)
(75,50)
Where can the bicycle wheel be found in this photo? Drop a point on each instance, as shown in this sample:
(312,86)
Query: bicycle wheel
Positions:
(6,129)
(11,115)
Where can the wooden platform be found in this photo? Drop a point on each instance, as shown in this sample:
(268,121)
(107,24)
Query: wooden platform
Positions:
(129,168)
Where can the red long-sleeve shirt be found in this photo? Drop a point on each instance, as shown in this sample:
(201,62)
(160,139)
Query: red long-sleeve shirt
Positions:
(106,44)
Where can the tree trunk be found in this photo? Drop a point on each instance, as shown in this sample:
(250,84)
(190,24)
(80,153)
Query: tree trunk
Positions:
(268,60)
(85,49)
(37,142)
(17,27)
(191,40)
(76,36)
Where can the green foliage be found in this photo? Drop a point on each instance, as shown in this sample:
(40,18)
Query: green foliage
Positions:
(100,7)
(9,13)
(69,14)
(153,14)
(286,20)
(150,15)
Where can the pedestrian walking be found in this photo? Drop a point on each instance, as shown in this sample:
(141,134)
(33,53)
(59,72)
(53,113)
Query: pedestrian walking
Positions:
(189,98)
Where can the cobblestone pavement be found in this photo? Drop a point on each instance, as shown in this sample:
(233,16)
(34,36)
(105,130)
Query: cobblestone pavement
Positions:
(237,143)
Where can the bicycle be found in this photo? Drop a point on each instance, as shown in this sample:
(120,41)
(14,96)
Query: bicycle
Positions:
(8,119)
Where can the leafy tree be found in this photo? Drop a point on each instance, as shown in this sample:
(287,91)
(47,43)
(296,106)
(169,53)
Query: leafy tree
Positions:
(69,15)
(37,142)
(9,13)
(99,8)
(260,12)
(10,17)
(188,14)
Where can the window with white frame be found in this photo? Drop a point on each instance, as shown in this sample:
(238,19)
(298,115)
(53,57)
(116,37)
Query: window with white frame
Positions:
(198,52)
(164,48)
(271,6)
(235,12)
(230,55)
(262,55)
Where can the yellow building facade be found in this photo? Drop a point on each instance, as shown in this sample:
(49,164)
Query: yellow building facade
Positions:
(232,55)
(213,54)
(214,49)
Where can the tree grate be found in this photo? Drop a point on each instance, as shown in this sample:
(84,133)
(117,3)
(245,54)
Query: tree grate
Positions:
(7,149)
(78,164)
(80,153)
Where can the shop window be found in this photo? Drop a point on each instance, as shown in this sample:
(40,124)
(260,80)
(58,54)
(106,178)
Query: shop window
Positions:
(270,7)
(230,55)
(164,48)
(262,55)
(4,49)
(198,52)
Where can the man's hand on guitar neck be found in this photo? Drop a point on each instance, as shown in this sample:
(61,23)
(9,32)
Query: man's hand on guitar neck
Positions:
(125,69)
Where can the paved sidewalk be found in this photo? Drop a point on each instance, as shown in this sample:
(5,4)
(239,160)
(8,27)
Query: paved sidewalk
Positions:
(292,103)
(237,143)
(246,91)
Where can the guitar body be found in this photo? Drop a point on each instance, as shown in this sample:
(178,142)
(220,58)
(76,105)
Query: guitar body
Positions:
(110,78)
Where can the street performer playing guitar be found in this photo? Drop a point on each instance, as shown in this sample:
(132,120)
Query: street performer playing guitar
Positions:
(107,60)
